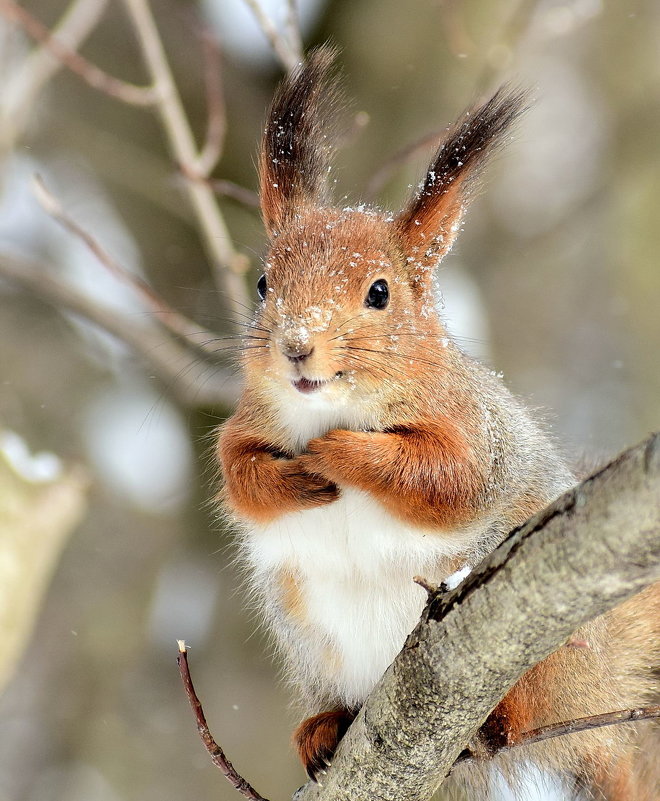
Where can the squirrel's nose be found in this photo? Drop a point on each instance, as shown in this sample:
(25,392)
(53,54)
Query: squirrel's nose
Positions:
(298,353)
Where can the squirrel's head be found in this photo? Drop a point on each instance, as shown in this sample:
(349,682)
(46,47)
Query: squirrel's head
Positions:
(347,300)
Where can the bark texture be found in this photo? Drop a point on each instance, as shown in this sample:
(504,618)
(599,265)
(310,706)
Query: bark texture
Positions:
(596,546)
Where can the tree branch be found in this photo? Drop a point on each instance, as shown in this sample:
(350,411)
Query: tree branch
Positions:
(396,160)
(284,47)
(194,382)
(39,67)
(215,102)
(584,724)
(593,548)
(228,265)
(92,75)
(177,323)
(216,753)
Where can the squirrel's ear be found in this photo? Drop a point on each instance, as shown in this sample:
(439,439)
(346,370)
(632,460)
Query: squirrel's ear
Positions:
(430,222)
(296,148)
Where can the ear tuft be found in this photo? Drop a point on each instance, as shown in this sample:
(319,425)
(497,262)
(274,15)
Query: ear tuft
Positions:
(430,222)
(296,149)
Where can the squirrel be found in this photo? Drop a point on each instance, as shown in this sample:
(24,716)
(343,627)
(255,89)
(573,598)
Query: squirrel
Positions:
(367,448)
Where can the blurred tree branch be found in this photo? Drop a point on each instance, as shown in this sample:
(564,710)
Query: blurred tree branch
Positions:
(72,60)
(228,265)
(35,521)
(287,46)
(195,382)
(175,322)
(41,65)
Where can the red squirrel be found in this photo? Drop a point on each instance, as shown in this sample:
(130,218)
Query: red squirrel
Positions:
(367,448)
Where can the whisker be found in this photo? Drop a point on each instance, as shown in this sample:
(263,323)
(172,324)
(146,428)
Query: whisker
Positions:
(346,322)
(386,369)
(409,357)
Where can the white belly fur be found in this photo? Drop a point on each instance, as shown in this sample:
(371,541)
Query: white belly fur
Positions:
(353,566)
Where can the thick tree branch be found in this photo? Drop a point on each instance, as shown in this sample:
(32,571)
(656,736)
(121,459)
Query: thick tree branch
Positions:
(596,546)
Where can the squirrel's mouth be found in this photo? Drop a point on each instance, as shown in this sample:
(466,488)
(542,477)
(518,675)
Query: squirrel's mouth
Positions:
(307,385)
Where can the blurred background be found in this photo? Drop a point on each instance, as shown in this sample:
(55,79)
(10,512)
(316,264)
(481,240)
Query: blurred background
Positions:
(111,548)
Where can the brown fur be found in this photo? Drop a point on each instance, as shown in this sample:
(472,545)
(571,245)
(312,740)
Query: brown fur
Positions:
(317,738)
(431,463)
(445,446)
(292,600)
(259,483)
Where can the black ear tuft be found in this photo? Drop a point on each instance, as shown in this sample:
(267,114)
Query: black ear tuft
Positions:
(296,148)
(472,140)
(431,219)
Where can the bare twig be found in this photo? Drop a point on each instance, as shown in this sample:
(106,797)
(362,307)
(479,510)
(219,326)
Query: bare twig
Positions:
(284,49)
(409,151)
(587,723)
(168,317)
(40,66)
(195,383)
(228,188)
(215,101)
(431,589)
(292,27)
(515,29)
(584,724)
(217,754)
(228,265)
(90,73)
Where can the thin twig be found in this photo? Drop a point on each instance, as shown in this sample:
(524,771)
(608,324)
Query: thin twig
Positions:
(194,383)
(567,727)
(216,128)
(409,151)
(292,28)
(228,265)
(168,317)
(92,75)
(584,724)
(39,67)
(430,588)
(217,754)
(282,48)
(237,192)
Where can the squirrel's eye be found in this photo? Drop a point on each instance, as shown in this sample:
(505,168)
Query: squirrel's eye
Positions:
(378,295)
(262,286)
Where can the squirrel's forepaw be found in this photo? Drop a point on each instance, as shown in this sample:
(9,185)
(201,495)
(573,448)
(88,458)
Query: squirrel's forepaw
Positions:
(324,455)
(312,488)
(317,739)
